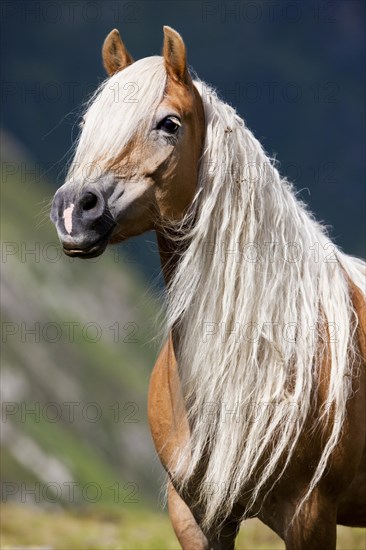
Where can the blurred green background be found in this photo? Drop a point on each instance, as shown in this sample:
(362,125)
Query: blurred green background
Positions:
(78,468)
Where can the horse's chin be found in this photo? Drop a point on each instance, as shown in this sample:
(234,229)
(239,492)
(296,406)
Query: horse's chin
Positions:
(91,250)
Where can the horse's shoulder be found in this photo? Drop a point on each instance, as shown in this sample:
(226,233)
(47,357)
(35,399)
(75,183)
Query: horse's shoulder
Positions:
(166,411)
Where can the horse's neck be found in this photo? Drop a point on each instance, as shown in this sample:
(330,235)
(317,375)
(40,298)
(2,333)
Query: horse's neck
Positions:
(169,256)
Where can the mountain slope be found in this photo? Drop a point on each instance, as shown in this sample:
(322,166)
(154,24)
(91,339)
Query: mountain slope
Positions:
(76,358)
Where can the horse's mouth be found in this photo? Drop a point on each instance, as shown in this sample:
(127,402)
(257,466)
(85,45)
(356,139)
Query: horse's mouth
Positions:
(91,251)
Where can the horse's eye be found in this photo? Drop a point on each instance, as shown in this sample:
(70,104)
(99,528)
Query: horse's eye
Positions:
(170,124)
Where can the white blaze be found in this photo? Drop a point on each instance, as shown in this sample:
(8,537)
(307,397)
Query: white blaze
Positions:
(68,218)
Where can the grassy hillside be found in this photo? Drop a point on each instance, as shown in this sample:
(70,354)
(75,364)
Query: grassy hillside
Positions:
(76,358)
(130,530)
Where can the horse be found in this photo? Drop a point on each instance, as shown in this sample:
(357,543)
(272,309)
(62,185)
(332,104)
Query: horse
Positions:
(257,400)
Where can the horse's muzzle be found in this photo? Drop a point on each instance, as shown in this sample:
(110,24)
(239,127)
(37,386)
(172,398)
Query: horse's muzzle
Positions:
(83,220)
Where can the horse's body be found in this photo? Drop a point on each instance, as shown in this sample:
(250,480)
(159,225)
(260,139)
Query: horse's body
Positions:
(339,499)
(301,472)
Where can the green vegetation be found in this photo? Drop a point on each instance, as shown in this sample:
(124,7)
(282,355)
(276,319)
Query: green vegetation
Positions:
(76,356)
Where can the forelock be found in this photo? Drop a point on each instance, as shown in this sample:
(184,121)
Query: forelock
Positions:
(121,107)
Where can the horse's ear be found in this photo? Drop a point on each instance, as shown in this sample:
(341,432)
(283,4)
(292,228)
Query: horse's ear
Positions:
(114,53)
(174,53)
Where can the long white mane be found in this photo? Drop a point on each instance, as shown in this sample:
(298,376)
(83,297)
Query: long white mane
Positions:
(250,296)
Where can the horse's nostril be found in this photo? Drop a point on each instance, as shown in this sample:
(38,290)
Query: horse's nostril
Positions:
(88,201)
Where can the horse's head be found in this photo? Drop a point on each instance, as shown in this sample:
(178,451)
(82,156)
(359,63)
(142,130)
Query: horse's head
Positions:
(137,157)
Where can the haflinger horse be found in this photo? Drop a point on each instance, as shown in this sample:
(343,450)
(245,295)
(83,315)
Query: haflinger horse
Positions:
(257,399)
